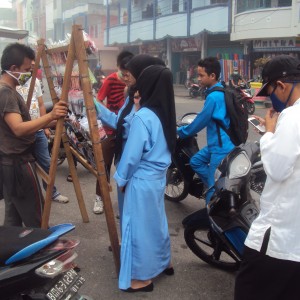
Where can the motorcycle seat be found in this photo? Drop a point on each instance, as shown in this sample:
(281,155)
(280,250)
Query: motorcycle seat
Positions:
(18,243)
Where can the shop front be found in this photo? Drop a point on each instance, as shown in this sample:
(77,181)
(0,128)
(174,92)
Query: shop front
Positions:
(268,48)
(186,52)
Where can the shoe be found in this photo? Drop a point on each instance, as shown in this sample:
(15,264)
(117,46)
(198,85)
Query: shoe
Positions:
(169,271)
(147,288)
(98,206)
(69,178)
(61,199)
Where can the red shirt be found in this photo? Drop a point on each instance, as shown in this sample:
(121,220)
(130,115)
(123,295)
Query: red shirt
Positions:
(113,90)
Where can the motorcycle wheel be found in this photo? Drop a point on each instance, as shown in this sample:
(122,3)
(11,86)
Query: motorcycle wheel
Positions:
(193,93)
(210,249)
(250,108)
(176,187)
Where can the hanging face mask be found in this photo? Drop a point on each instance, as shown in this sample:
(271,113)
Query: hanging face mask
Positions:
(23,77)
(277,104)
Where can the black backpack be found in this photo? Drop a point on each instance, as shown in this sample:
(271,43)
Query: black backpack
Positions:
(238,115)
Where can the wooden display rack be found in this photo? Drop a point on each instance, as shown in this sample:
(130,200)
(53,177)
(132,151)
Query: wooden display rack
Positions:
(76,50)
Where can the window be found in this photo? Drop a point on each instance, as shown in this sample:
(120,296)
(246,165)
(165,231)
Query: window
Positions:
(218,1)
(175,6)
(246,5)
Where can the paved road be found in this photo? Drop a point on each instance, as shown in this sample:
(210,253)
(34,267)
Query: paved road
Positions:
(193,278)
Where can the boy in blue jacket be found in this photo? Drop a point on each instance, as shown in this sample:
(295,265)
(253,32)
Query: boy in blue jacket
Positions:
(205,162)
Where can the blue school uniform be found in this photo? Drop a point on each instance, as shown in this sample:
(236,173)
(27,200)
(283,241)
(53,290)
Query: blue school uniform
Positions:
(145,250)
(110,119)
(207,159)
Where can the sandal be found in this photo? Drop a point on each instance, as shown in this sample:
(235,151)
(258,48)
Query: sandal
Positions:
(69,178)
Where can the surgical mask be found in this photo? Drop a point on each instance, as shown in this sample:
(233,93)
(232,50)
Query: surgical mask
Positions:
(235,72)
(277,104)
(23,77)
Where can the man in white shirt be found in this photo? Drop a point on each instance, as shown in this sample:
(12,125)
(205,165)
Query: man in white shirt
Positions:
(41,152)
(271,265)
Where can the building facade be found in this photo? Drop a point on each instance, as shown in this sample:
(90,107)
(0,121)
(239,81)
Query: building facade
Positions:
(266,28)
(53,19)
(178,31)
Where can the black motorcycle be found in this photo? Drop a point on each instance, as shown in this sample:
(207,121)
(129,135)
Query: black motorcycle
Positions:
(195,90)
(181,178)
(216,234)
(38,264)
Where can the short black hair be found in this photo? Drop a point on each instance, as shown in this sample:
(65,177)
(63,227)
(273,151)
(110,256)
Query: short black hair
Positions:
(14,54)
(123,58)
(211,65)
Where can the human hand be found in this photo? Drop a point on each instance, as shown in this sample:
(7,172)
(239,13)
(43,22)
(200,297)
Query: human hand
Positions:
(47,132)
(122,188)
(271,120)
(262,123)
(59,110)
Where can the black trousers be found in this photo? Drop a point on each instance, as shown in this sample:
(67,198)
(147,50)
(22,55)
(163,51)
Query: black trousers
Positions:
(22,194)
(262,277)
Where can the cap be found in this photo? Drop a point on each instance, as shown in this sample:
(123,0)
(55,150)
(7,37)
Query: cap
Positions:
(278,67)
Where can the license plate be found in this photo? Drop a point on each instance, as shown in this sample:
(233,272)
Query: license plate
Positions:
(66,287)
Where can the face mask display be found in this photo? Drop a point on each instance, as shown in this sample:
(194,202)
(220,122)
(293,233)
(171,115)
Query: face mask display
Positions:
(277,104)
(23,77)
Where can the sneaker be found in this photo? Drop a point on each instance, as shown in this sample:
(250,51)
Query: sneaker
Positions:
(61,199)
(98,206)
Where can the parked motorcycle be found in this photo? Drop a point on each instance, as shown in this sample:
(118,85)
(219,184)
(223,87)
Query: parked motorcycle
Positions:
(38,264)
(245,90)
(197,91)
(181,178)
(216,234)
(188,83)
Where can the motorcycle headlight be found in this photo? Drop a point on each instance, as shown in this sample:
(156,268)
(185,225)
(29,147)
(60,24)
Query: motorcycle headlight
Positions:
(240,166)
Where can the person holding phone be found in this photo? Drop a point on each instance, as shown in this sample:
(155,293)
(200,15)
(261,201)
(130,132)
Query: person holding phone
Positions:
(271,265)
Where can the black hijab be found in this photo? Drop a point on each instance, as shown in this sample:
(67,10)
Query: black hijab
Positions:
(138,63)
(155,85)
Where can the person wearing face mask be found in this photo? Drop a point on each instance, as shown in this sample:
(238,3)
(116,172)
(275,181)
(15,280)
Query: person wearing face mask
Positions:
(20,186)
(41,152)
(235,78)
(271,265)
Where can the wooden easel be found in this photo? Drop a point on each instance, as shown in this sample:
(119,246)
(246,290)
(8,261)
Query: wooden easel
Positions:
(76,50)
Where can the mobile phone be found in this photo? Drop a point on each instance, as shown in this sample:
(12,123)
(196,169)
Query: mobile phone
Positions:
(256,124)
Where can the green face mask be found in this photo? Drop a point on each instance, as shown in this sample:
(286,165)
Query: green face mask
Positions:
(23,77)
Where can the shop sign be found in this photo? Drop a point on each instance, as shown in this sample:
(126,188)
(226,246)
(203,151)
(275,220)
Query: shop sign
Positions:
(184,45)
(276,45)
(153,48)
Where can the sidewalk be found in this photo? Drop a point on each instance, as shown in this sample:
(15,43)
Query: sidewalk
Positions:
(180,90)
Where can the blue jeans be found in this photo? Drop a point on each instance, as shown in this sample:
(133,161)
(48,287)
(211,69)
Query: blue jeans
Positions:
(205,163)
(42,156)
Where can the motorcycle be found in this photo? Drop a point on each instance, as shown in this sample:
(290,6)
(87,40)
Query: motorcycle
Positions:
(245,91)
(216,234)
(181,178)
(38,264)
(196,90)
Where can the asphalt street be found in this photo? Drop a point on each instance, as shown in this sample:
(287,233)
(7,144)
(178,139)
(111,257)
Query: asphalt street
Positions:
(193,279)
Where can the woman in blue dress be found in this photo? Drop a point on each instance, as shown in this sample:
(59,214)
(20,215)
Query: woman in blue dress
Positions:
(121,121)
(141,175)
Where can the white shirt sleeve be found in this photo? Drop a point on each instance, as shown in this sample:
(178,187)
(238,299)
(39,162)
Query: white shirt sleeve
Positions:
(280,150)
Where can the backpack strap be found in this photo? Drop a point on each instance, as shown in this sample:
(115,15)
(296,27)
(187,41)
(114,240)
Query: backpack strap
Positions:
(218,123)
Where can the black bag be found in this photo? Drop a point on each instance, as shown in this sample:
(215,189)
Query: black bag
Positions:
(238,115)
